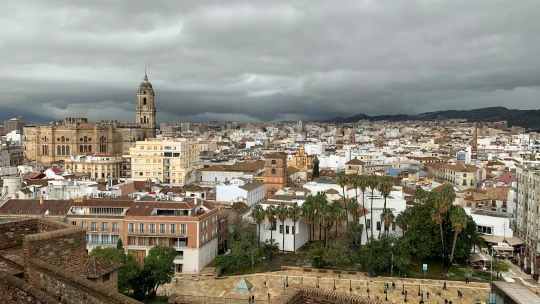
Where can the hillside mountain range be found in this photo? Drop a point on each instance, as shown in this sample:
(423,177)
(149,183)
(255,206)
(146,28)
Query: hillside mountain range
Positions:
(7,113)
(528,119)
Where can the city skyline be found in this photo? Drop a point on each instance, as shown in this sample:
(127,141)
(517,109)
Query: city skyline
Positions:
(268,62)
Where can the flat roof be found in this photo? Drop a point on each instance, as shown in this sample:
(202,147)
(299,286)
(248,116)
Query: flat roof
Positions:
(517,292)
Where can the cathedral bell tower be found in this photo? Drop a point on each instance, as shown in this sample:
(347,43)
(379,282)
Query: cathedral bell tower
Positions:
(146,110)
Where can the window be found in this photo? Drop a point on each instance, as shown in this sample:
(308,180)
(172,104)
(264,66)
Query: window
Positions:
(172,228)
(274,225)
(152,228)
(94,227)
(84,225)
(106,277)
(273,162)
(183,228)
(105,239)
(141,228)
(114,239)
(368,223)
(143,241)
(115,227)
(131,227)
(273,171)
(485,229)
(74,223)
(161,228)
(105,227)
(378,226)
(286,229)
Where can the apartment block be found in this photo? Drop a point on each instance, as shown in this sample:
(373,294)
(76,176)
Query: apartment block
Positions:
(527,197)
(173,161)
(190,226)
(96,165)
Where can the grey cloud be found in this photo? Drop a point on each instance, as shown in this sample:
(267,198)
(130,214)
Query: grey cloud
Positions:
(268,61)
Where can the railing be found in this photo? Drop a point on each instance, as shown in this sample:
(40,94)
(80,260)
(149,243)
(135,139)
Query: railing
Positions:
(202,299)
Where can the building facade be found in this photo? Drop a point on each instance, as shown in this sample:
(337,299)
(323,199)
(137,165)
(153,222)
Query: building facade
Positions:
(275,175)
(96,165)
(54,142)
(173,161)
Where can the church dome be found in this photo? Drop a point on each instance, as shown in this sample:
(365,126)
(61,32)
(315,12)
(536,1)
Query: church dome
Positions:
(146,86)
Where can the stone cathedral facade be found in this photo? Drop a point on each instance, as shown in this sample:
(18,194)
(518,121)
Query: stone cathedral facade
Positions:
(58,140)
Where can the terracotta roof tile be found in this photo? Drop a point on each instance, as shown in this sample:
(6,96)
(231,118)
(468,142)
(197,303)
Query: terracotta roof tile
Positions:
(97,267)
(20,206)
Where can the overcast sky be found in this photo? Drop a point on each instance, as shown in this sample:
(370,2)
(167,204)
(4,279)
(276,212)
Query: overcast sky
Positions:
(268,60)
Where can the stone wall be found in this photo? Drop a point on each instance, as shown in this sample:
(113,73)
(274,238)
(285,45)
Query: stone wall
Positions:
(296,294)
(64,248)
(15,291)
(72,289)
(12,233)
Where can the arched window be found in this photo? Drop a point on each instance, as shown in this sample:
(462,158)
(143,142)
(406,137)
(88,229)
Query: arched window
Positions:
(85,148)
(85,139)
(67,150)
(273,161)
(58,150)
(89,148)
(273,171)
(63,150)
(144,101)
(81,148)
(63,139)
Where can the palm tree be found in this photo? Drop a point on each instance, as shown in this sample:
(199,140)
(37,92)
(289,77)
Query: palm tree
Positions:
(308,214)
(342,180)
(402,219)
(294,214)
(372,183)
(362,184)
(352,204)
(337,213)
(327,222)
(387,217)
(385,187)
(258,215)
(459,218)
(321,204)
(271,215)
(282,214)
(419,195)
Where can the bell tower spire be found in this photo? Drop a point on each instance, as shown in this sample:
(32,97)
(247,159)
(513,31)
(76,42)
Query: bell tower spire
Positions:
(146,110)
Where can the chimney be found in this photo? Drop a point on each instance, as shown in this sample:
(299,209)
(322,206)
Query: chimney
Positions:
(41,200)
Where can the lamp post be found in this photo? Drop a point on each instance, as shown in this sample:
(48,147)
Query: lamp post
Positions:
(392,267)
(281,278)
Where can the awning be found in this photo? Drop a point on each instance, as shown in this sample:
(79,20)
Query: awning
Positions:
(476,257)
(493,238)
(503,248)
(514,241)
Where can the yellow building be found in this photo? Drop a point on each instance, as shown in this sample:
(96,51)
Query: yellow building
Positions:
(97,165)
(173,161)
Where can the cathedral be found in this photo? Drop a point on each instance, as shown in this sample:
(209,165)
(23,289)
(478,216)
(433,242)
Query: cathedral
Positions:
(58,140)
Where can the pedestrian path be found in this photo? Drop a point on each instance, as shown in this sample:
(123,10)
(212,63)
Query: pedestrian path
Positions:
(204,286)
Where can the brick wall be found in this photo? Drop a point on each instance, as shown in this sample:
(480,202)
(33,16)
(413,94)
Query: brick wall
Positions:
(14,291)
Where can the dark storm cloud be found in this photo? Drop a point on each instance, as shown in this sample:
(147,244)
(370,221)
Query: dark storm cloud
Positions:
(268,60)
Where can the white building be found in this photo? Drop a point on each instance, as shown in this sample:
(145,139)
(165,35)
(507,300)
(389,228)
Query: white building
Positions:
(314,148)
(241,189)
(276,229)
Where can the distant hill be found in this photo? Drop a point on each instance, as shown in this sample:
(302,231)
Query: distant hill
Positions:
(7,113)
(529,119)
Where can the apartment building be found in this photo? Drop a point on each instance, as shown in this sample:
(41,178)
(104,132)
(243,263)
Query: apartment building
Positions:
(248,190)
(527,197)
(460,176)
(96,165)
(171,160)
(190,226)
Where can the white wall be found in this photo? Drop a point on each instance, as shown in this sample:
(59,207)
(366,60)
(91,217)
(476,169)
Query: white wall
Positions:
(198,258)
(213,177)
(302,234)
(500,225)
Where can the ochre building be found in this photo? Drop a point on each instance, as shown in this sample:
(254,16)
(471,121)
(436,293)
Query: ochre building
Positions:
(56,141)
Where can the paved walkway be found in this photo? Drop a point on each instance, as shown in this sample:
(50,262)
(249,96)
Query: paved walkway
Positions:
(223,287)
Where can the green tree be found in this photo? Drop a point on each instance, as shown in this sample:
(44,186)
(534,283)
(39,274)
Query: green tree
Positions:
(354,233)
(339,253)
(458,217)
(294,214)
(119,244)
(159,265)
(499,265)
(127,273)
(361,181)
(282,215)
(270,247)
(387,217)
(385,187)
(342,180)
(372,183)
(315,168)
(308,214)
(378,253)
(258,215)
(338,216)
(271,213)
(318,256)
(352,204)
(402,219)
